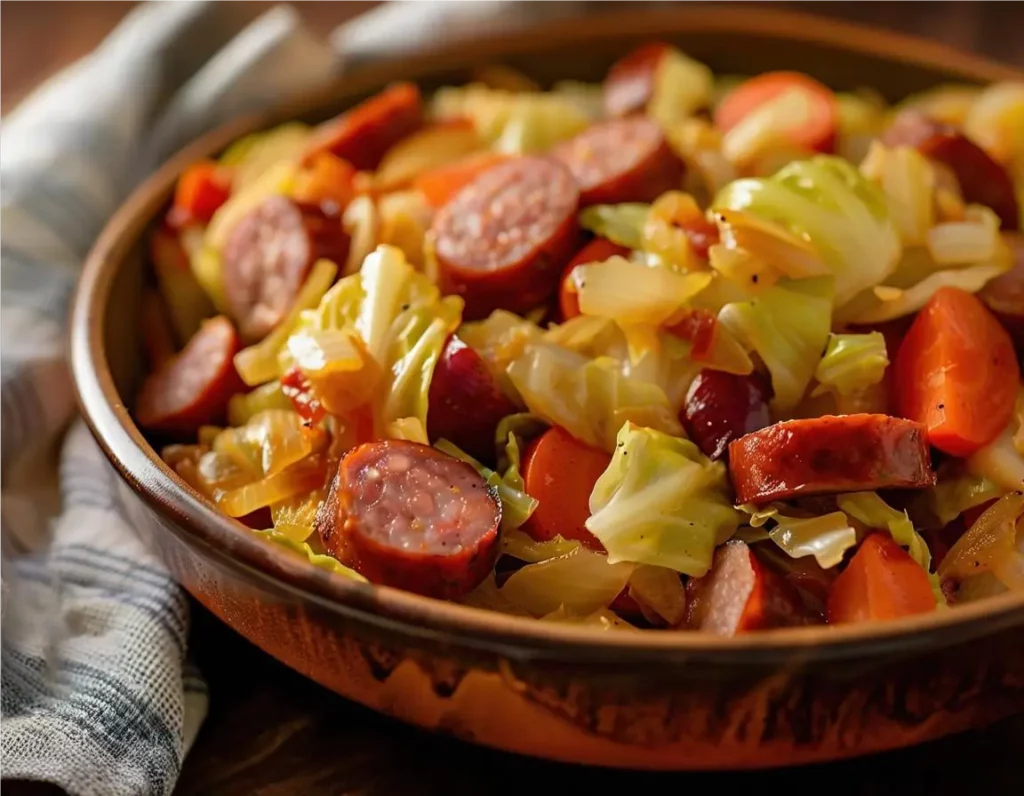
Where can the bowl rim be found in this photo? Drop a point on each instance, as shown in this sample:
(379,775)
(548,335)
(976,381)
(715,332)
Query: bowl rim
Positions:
(290,576)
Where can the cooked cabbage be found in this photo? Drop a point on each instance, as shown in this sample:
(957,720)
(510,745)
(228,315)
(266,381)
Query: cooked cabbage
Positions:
(251,157)
(769,126)
(995,120)
(516,505)
(513,122)
(852,363)
(957,490)
(589,398)
(908,180)
(519,545)
(682,86)
(661,502)
(827,537)
(664,239)
(320,560)
(973,240)
(827,203)
(433,146)
(869,509)
(581,581)
(787,325)
(244,405)
(622,223)
(660,594)
(1002,460)
(259,363)
(604,618)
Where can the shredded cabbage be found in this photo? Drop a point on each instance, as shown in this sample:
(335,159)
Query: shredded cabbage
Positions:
(661,502)
(622,223)
(631,293)
(958,490)
(320,560)
(589,398)
(244,405)
(870,509)
(682,86)
(908,180)
(428,148)
(664,239)
(518,545)
(769,126)
(581,581)
(252,156)
(603,618)
(296,516)
(516,505)
(852,363)
(787,325)
(513,122)
(827,203)
(1002,460)
(973,240)
(827,537)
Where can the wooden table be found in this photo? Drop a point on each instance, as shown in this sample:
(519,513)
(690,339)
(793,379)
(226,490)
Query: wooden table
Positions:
(272,732)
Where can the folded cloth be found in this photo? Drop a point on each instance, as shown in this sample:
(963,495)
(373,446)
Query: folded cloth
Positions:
(98,696)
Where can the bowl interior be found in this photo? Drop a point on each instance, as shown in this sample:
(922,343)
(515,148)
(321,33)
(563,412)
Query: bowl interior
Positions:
(105,316)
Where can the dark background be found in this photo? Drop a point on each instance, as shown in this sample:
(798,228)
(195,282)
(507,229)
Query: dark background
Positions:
(271,732)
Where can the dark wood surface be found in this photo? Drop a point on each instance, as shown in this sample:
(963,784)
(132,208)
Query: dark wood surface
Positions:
(272,732)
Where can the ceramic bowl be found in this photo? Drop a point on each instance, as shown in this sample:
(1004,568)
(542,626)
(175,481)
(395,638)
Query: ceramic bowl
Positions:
(646,700)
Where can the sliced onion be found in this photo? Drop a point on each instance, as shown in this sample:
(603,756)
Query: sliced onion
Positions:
(299,479)
(604,618)
(990,545)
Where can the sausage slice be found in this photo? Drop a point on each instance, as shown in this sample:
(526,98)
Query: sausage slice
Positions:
(982,179)
(502,241)
(622,160)
(834,453)
(1004,295)
(630,82)
(721,407)
(193,387)
(267,258)
(365,133)
(413,517)
(465,402)
(740,594)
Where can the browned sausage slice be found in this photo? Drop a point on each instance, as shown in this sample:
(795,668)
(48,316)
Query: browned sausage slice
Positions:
(835,453)
(413,517)
(365,133)
(982,179)
(622,160)
(630,82)
(502,241)
(267,258)
(1004,295)
(192,389)
(740,594)
(465,402)
(721,407)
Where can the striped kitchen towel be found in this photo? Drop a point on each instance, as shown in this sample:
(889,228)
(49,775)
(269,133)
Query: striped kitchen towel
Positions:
(98,696)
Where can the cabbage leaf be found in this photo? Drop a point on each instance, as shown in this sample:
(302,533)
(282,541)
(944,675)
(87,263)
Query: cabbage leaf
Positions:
(852,363)
(661,502)
(827,203)
(787,325)
(622,223)
(589,398)
(827,537)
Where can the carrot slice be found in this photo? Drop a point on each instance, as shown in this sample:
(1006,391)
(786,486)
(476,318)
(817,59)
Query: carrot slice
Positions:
(200,192)
(956,372)
(326,180)
(442,183)
(881,581)
(818,131)
(598,250)
(560,472)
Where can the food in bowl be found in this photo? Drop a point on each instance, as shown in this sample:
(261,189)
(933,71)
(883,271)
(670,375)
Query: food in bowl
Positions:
(671,352)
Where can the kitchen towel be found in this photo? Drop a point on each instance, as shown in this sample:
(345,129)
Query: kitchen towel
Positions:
(98,696)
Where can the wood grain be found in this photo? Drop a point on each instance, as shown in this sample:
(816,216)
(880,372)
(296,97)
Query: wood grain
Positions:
(272,732)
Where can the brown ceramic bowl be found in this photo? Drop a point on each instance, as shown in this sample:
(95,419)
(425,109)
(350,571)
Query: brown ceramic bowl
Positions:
(644,700)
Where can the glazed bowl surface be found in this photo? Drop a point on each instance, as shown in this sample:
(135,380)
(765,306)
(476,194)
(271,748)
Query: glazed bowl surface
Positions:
(643,700)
